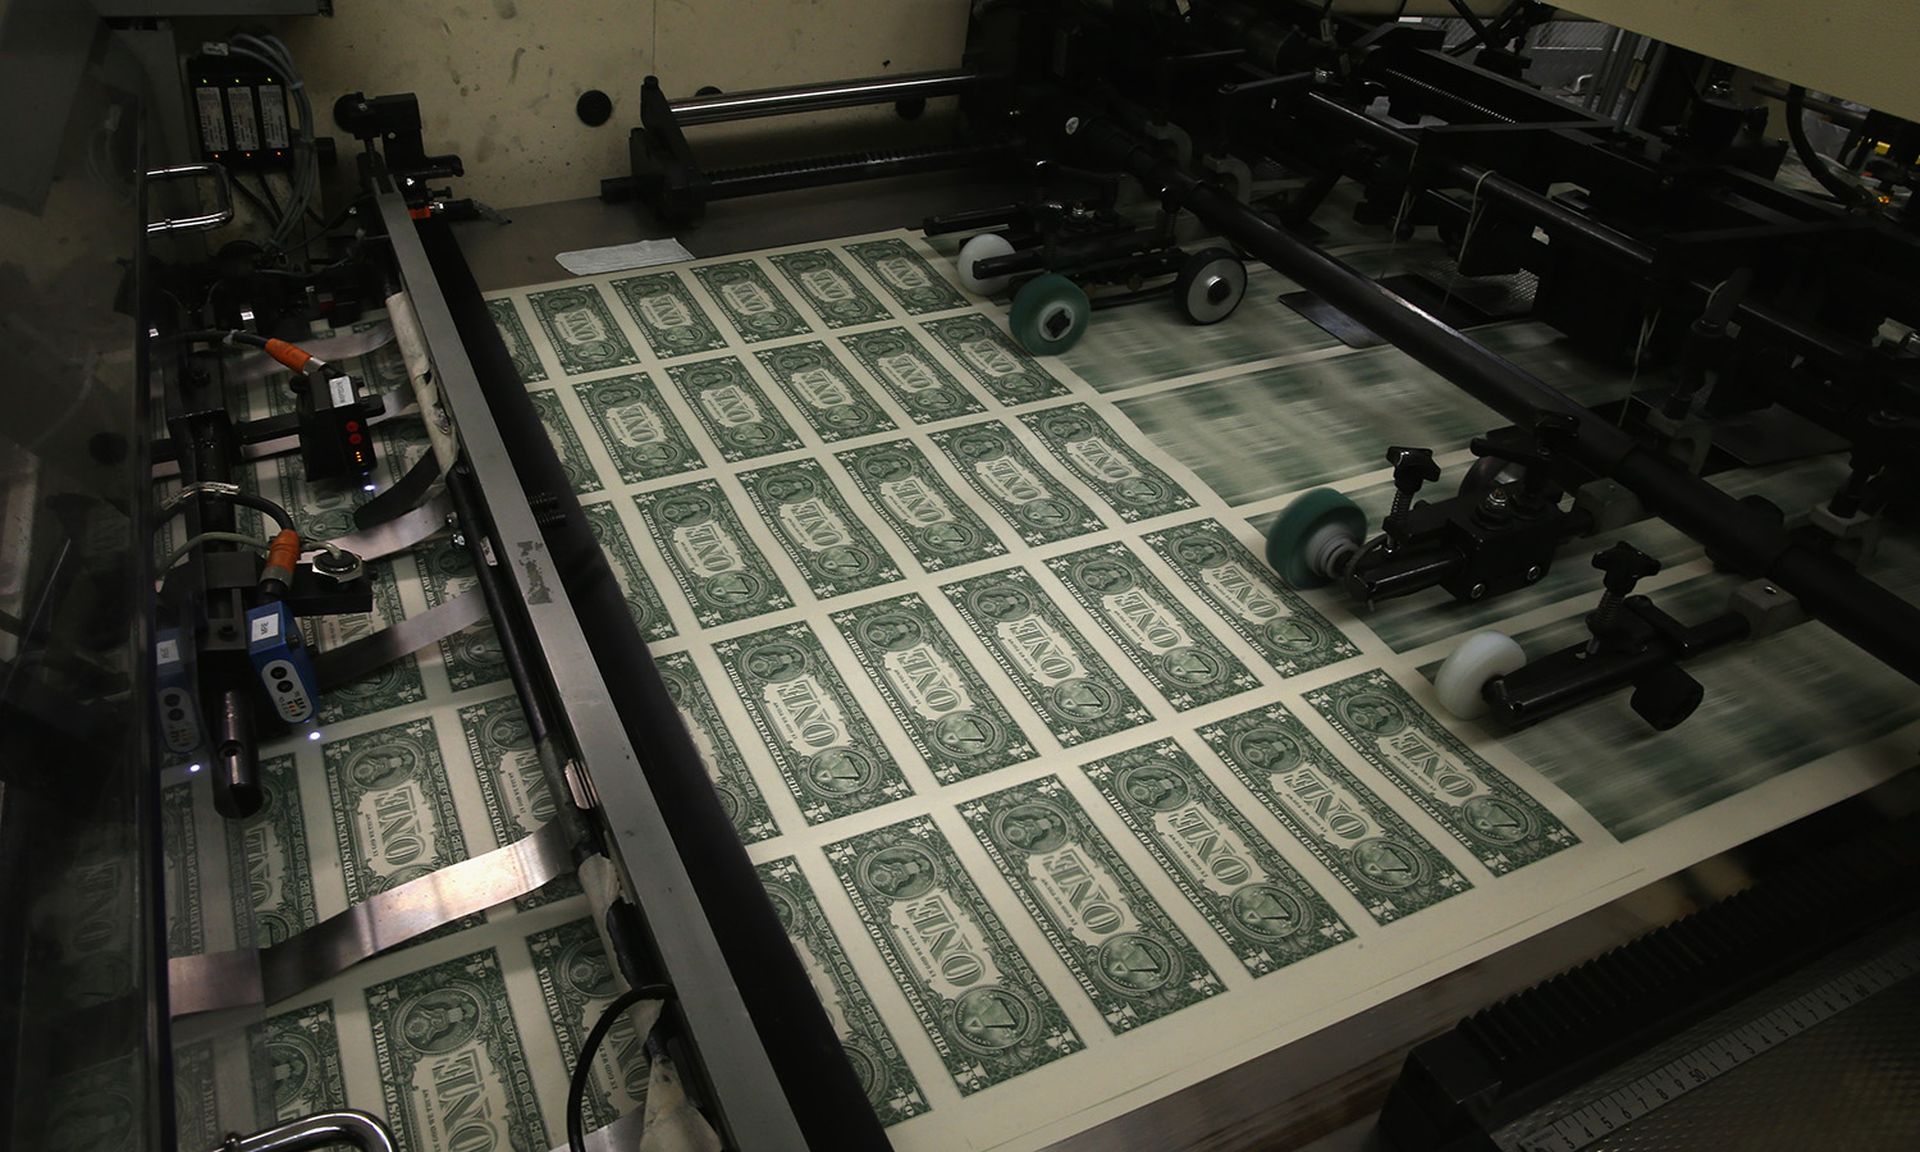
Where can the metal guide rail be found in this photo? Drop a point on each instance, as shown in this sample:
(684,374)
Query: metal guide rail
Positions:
(768,1060)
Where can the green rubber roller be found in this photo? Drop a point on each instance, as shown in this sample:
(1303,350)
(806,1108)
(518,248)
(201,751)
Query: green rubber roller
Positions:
(1313,536)
(1050,314)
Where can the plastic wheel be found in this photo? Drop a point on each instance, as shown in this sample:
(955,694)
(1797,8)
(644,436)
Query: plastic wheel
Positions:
(1479,659)
(1211,284)
(981,247)
(1050,314)
(1308,531)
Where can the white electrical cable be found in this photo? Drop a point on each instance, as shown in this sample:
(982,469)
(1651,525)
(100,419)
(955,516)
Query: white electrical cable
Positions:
(192,542)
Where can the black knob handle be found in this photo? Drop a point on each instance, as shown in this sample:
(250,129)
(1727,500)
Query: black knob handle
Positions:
(1624,566)
(1412,467)
(1553,431)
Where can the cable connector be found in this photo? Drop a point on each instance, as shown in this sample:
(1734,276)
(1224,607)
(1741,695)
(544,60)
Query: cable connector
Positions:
(295,357)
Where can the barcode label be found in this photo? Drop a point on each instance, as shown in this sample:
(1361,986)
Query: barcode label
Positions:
(213,119)
(273,115)
(265,627)
(246,127)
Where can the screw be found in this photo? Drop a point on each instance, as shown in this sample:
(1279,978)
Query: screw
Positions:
(1534,573)
(460,539)
(1476,592)
(1323,75)
(1073,125)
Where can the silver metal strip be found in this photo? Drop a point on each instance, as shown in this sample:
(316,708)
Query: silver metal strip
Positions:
(752,1104)
(355,659)
(250,977)
(396,535)
(623,1135)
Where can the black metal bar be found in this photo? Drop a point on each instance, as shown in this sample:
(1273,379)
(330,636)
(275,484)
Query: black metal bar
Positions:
(1739,534)
(819,97)
(824,1097)
(1618,248)
(727,183)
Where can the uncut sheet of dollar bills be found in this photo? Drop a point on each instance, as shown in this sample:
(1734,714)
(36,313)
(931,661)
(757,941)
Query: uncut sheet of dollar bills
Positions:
(1065,801)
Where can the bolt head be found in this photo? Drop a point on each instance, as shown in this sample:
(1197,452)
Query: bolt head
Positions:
(1476,592)
(1073,125)
(1534,573)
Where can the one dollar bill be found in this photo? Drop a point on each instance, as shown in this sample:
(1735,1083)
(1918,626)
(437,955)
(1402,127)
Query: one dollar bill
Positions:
(1082,439)
(637,428)
(733,409)
(956,724)
(999,467)
(823,537)
(1249,895)
(1375,854)
(834,293)
(452,1064)
(512,786)
(723,574)
(270,862)
(832,401)
(526,362)
(911,374)
(1256,604)
(975,994)
(393,813)
(577,983)
(1128,956)
(649,615)
(1500,823)
(901,484)
(1076,692)
(995,362)
(907,276)
(583,333)
(877,1061)
(1165,641)
(297,1066)
(754,307)
(827,751)
(726,767)
(669,317)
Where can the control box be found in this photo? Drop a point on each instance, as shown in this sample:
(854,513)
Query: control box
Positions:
(174,691)
(280,656)
(335,441)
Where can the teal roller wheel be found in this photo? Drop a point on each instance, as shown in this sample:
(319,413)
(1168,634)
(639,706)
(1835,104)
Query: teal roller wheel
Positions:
(1313,536)
(1050,314)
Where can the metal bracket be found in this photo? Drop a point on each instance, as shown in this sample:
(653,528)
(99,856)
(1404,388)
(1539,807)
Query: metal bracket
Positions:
(214,219)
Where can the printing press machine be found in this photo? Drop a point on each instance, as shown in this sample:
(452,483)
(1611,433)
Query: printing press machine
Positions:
(1764,299)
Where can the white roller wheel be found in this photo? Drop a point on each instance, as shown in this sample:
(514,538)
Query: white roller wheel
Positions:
(981,247)
(1480,657)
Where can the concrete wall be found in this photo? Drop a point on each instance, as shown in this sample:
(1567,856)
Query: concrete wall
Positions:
(1861,50)
(497,79)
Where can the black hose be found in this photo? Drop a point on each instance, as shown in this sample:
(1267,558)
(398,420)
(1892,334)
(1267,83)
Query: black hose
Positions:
(583,1067)
(1816,164)
(244,499)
